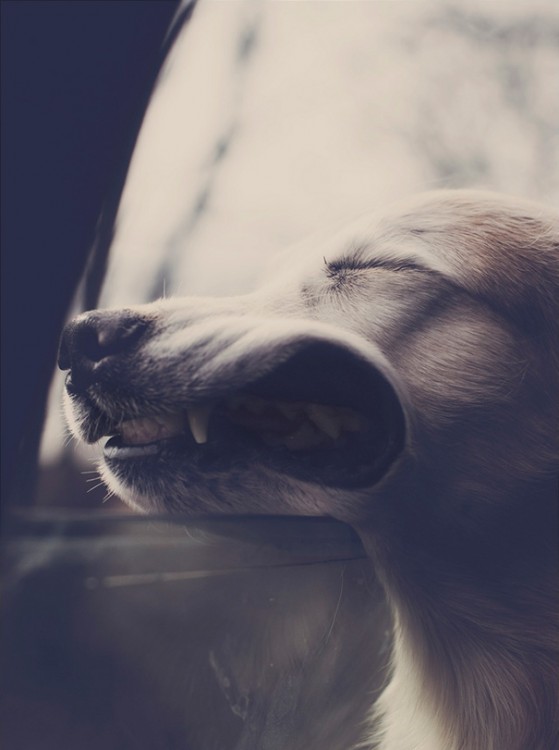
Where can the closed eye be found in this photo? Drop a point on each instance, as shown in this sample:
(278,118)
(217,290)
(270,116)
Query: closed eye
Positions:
(334,268)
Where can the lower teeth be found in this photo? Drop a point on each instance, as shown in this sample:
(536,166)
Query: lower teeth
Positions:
(295,425)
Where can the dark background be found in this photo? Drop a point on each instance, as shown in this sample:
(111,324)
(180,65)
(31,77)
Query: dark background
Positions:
(76,79)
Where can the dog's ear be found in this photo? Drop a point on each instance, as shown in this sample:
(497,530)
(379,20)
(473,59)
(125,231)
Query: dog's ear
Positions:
(501,249)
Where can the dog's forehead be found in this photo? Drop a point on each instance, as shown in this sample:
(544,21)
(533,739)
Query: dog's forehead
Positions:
(472,236)
(365,238)
(484,231)
(444,228)
(500,249)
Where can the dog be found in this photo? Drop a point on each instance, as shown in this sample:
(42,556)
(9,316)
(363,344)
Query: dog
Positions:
(402,377)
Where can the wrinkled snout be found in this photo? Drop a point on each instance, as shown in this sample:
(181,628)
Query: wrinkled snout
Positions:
(213,391)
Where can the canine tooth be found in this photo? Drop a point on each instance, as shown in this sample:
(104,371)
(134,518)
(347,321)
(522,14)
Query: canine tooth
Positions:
(326,419)
(198,418)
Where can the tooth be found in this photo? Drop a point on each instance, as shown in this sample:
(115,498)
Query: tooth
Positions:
(325,419)
(351,421)
(305,437)
(198,418)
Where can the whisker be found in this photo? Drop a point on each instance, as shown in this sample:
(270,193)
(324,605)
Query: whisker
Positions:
(95,486)
(108,496)
(336,610)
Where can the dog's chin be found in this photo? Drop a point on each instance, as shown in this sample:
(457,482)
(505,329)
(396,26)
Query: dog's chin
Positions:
(173,476)
(260,492)
(230,477)
(325,417)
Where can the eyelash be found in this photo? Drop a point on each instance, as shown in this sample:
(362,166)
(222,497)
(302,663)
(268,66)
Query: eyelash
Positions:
(334,268)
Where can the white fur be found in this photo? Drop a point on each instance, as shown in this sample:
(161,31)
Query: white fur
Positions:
(462,528)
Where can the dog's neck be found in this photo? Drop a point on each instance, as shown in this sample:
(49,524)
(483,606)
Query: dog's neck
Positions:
(476,651)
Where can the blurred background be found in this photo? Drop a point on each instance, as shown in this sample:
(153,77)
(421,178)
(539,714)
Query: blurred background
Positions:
(269,121)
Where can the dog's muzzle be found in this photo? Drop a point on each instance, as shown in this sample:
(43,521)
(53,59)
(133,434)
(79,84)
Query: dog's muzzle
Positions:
(228,393)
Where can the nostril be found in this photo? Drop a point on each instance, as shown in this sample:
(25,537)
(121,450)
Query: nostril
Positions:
(107,336)
(98,335)
(114,335)
(88,345)
(64,361)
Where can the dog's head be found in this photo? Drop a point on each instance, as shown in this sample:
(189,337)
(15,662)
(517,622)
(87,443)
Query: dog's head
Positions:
(413,355)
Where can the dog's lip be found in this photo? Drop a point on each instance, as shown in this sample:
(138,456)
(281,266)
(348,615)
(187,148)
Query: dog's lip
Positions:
(115,448)
(357,456)
(323,373)
(225,432)
(296,425)
(351,460)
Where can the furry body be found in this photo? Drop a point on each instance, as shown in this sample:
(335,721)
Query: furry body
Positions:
(450,302)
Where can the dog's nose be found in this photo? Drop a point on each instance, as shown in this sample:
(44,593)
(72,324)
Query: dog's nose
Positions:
(95,336)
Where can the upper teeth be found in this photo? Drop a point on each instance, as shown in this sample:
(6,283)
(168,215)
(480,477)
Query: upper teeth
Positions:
(198,418)
(297,425)
(326,419)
